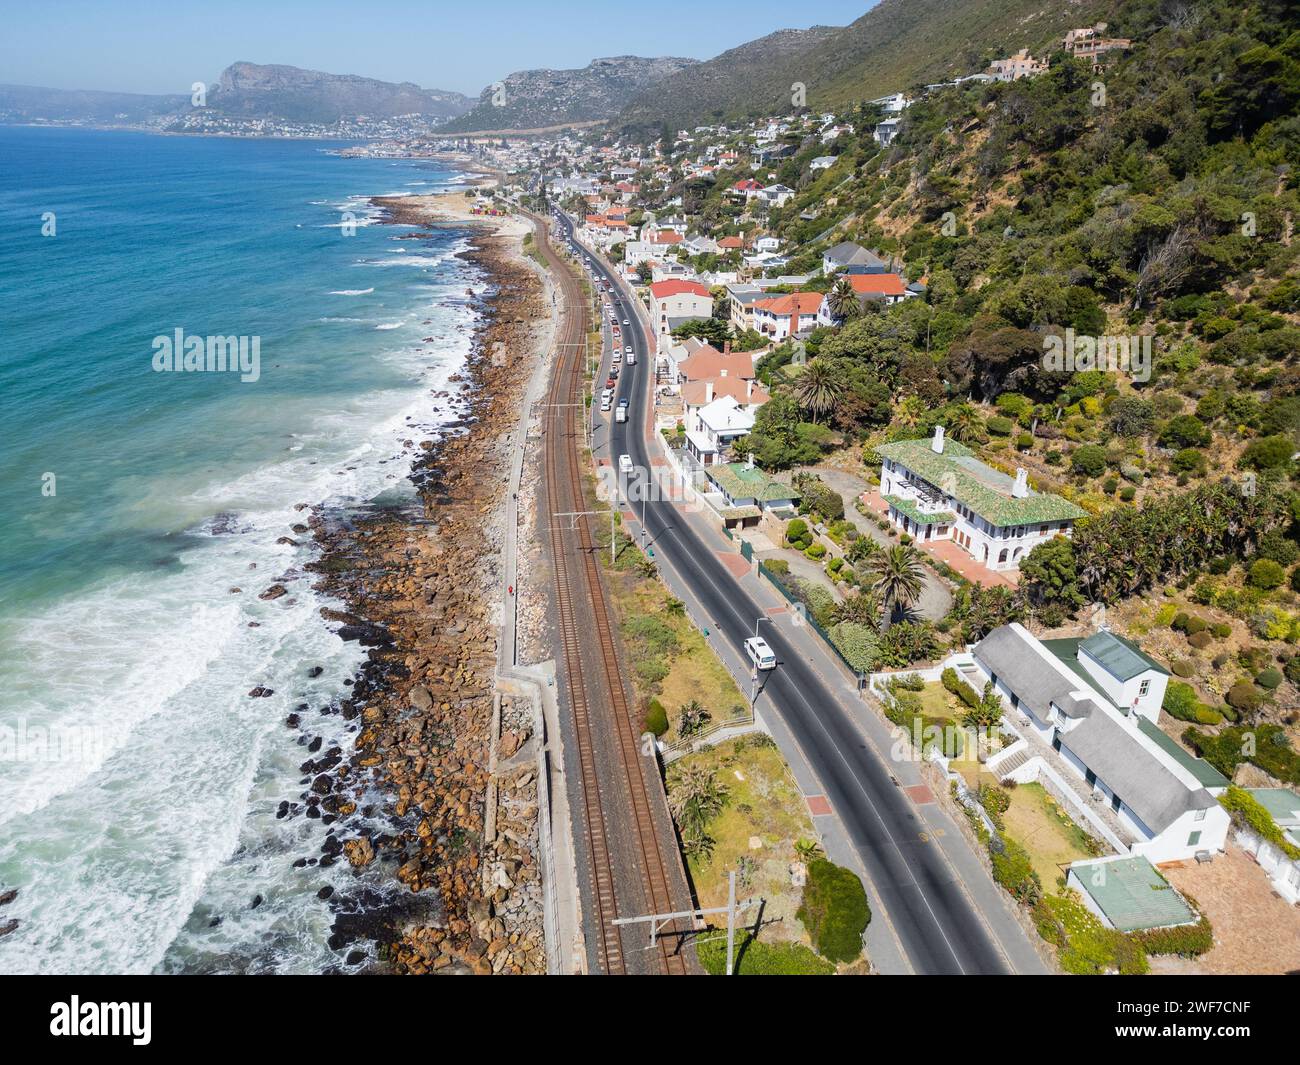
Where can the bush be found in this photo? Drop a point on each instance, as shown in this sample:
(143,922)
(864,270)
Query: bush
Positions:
(816,552)
(1200,640)
(1086,946)
(656,718)
(1221,630)
(779,566)
(1180,702)
(959,688)
(1269,679)
(1024,442)
(753,958)
(1265,574)
(1014,871)
(834,910)
(797,531)
(1243,697)
(1280,548)
(1292,669)
(1089,460)
(1268,453)
(1186,941)
(1183,668)
(1000,426)
(1128,493)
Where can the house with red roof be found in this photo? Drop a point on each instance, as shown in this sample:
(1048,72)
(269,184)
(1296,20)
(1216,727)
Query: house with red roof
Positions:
(784,316)
(676,301)
(746,189)
(884,288)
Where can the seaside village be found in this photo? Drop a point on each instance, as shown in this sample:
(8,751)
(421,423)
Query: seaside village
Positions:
(1131,769)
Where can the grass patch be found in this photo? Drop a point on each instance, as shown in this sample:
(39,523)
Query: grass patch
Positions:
(1039,824)
(756,958)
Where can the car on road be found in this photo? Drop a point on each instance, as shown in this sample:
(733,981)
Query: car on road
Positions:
(620,415)
(631,357)
(623,401)
(626,322)
(760,653)
(627,350)
(625,464)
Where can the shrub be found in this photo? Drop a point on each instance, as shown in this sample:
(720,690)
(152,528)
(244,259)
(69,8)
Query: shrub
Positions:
(815,552)
(1024,442)
(656,718)
(1014,871)
(1193,625)
(1186,941)
(1165,615)
(1000,426)
(1269,679)
(1243,697)
(1128,493)
(1280,548)
(1183,668)
(1265,574)
(1180,621)
(797,531)
(1268,453)
(1086,946)
(834,910)
(1089,460)
(1180,702)
(779,566)
(755,958)
(1292,669)
(1221,630)
(1200,640)
(959,688)
(1295,579)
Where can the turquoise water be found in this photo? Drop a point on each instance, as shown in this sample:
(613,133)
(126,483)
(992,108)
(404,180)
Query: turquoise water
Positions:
(138,782)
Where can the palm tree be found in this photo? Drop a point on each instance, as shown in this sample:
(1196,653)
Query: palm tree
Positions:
(964,423)
(843,301)
(899,578)
(692,718)
(695,797)
(818,389)
(807,850)
(863,608)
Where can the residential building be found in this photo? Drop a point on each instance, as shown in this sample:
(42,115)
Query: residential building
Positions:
(823,162)
(881,288)
(1090,43)
(1020,65)
(675,302)
(885,132)
(1084,710)
(939,490)
(715,428)
(744,390)
(1128,893)
(777,195)
(784,316)
(745,492)
(848,254)
(707,363)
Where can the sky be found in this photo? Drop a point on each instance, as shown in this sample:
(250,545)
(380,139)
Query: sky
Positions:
(164,47)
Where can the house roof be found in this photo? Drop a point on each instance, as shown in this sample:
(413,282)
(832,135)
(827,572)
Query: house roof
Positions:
(906,506)
(742,389)
(1131,893)
(1120,658)
(1282,803)
(1101,739)
(731,242)
(800,303)
(739,481)
(985,490)
(709,363)
(725,415)
(1206,774)
(847,252)
(877,284)
(676,287)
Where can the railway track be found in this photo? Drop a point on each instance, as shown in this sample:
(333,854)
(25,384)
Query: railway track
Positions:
(598,696)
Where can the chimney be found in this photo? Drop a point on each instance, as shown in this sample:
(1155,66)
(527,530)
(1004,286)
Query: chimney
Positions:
(749,462)
(936,445)
(708,391)
(726,347)
(749,390)
(1021,488)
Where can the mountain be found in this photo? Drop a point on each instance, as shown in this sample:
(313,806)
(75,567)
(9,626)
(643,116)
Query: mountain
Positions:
(251,90)
(244,91)
(737,83)
(535,99)
(894,46)
(30,103)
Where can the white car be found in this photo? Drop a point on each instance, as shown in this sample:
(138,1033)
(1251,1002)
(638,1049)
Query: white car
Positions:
(631,357)
(625,466)
(760,653)
(626,322)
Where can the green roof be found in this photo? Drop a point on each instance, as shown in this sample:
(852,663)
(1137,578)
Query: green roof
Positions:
(1206,775)
(739,481)
(1282,803)
(977,485)
(908,507)
(1121,658)
(1132,894)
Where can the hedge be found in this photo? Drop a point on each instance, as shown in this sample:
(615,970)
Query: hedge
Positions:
(959,688)
(656,718)
(1014,871)
(834,910)
(1187,941)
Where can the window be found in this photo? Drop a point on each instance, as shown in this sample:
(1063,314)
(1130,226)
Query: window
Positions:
(1143,688)
(1193,839)
(1200,815)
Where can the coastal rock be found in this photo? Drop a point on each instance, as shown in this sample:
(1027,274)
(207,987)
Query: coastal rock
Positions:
(274,592)
(359,852)
(420,697)
(261,693)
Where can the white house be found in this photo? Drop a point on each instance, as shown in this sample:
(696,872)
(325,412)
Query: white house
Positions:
(1283,870)
(783,316)
(777,195)
(1086,709)
(939,490)
(847,254)
(715,427)
(823,162)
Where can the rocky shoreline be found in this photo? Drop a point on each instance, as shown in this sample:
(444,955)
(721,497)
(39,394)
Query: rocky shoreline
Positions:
(421,592)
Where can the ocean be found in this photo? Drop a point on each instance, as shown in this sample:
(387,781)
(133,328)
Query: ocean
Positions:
(139,782)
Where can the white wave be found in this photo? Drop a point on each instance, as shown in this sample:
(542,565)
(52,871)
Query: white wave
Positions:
(352,291)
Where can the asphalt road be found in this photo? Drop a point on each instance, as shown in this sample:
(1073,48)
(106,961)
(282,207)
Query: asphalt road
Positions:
(934,920)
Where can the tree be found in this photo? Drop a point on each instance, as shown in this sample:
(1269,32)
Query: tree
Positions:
(899,578)
(1184,430)
(987,712)
(692,717)
(964,423)
(1130,416)
(818,388)
(714,330)
(1049,575)
(1089,460)
(843,301)
(695,797)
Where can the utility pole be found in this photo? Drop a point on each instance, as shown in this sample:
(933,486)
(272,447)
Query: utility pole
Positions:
(656,921)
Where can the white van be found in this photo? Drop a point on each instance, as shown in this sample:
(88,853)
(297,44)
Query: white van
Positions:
(631,357)
(620,415)
(625,465)
(760,653)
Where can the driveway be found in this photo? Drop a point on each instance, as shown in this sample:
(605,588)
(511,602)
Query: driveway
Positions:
(936,599)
